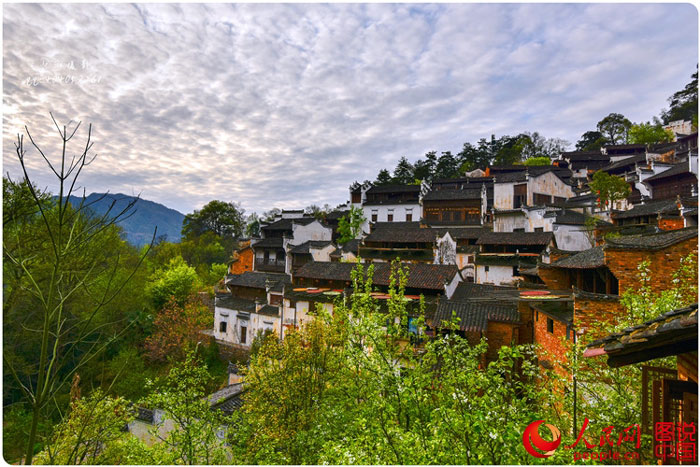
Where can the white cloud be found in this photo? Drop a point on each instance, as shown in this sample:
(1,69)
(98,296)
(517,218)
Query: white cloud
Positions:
(286,105)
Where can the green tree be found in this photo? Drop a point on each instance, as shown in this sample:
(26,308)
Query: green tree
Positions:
(350,388)
(609,188)
(424,169)
(403,173)
(349,225)
(537,161)
(252,228)
(591,141)
(683,105)
(447,166)
(646,133)
(219,217)
(71,270)
(94,424)
(178,281)
(182,395)
(615,128)
(384,178)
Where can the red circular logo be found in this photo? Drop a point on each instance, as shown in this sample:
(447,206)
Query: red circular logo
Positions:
(532,440)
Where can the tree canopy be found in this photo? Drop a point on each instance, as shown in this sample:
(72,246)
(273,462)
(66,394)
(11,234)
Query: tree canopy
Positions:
(219,217)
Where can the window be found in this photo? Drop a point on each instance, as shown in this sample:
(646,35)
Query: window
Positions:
(486,268)
(222,326)
(519,230)
(519,195)
(540,199)
(390,216)
(515,270)
(244,334)
(550,325)
(374,215)
(537,315)
(357,197)
(409,215)
(539,229)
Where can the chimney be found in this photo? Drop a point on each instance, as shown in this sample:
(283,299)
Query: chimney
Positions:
(258,304)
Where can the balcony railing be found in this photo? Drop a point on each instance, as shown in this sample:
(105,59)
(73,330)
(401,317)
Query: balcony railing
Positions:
(269,265)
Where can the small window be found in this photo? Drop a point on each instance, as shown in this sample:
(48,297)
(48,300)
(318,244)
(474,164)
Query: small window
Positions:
(222,326)
(539,229)
(374,216)
(550,325)
(515,270)
(537,315)
(519,230)
(486,268)
(244,334)
(390,217)
(409,215)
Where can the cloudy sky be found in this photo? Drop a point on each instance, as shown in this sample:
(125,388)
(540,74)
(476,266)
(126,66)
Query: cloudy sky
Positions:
(286,105)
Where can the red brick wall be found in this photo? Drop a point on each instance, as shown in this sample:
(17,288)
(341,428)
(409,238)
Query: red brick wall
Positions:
(671,223)
(553,344)
(554,278)
(243,263)
(589,312)
(498,335)
(663,263)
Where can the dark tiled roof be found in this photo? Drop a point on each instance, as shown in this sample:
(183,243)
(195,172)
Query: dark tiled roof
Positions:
(268,310)
(470,290)
(336,214)
(447,195)
(661,148)
(257,279)
(304,247)
(227,399)
(533,171)
(561,311)
(395,225)
(624,147)
(674,171)
(581,200)
(420,276)
(273,242)
(627,161)
(656,241)
(650,208)
(465,233)
(474,316)
(585,156)
(515,238)
(418,235)
(351,246)
(672,333)
(394,189)
(587,259)
(286,224)
(568,217)
(235,303)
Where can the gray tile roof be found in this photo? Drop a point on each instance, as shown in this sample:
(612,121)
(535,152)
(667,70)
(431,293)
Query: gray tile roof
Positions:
(561,311)
(666,206)
(257,280)
(654,241)
(306,246)
(273,242)
(474,316)
(626,162)
(448,195)
(394,189)
(672,333)
(286,224)
(420,276)
(416,235)
(470,290)
(235,303)
(515,238)
(587,259)
(227,399)
(674,171)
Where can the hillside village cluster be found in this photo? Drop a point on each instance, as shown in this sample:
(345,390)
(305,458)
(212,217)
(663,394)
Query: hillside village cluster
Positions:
(509,250)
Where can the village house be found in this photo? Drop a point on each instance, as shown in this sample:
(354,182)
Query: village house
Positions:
(504,254)
(668,395)
(406,240)
(585,163)
(324,283)
(251,305)
(391,203)
(463,201)
(666,214)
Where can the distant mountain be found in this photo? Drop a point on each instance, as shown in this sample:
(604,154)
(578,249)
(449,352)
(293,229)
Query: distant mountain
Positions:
(138,228)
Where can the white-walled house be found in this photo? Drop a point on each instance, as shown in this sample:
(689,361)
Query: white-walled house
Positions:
(391,203)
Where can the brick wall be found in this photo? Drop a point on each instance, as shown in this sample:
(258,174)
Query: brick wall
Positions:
(498,335)
(663,263)
(553,344)
(671,223)
(243,262)
(589,312)
(555,278)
